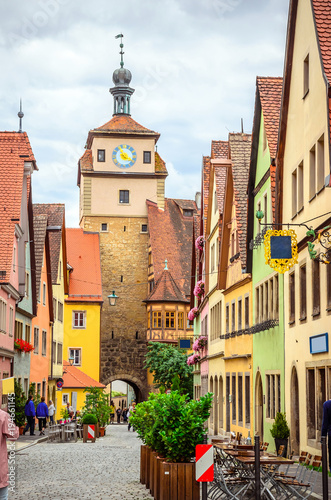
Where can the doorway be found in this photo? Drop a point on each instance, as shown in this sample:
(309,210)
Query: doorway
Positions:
(295,413)
(215,406)
(259,406)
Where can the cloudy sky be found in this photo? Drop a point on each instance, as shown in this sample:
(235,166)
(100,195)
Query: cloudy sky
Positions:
(194,64)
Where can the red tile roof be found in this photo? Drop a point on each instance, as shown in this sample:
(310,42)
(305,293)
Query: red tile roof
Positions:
(39,230)
(55,220)
(85,161)
(322,16)
(166,290)
(83,254)
(171,237)
(220,178)
(270,91)
(205,187)
(124,124)
(219,149)
(15,148)
(76,379)
(240,152)
(160,166)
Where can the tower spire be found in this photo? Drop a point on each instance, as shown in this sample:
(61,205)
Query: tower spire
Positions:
(122,92)
(20,114)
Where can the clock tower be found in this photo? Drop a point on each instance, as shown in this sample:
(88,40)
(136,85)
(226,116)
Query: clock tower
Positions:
(119,170)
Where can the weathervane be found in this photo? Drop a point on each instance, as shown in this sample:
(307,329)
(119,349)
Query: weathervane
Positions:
(121,45)
(20,114)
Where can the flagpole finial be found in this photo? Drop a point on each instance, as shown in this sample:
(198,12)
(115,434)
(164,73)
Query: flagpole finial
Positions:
(20,114)
(121,46)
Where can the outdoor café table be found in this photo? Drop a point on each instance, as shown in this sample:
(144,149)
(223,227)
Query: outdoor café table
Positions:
(229,446)
(267,474)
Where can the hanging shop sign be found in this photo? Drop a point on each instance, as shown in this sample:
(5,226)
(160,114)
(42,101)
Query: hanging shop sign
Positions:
(280,249)
(323,238)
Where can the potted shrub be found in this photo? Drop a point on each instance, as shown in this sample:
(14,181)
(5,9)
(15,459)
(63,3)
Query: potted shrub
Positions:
(97,403)
(171,425)
(89,421)
(64,414)
(280,431)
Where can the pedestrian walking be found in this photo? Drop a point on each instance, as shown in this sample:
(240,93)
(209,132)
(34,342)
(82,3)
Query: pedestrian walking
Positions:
(119,413)
(125,415)
(51,411)
(112,412)
(8,430)
(42,414)
(326,425)
(30,414)
(130,412)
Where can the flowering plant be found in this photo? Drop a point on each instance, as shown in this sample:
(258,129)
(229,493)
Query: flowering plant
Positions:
(199,243)
(192,314)
(200,343)
(199,289)
(194,358)
(22,345)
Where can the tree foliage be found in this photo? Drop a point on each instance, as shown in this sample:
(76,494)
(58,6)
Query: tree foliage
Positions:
(169,366)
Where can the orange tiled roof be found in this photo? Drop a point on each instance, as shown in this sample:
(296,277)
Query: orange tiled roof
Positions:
(240,151)
(55,219)
(39,230)
(85,161)
(166,290)
(219,149)
(124,124)
(160,166)
(83,253)
(171,238)
(15,148)
(205,187)
(322,16)
(75,378)
(220,178)
(270,90)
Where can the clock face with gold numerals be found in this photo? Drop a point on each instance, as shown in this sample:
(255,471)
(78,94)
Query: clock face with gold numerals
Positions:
(124,156)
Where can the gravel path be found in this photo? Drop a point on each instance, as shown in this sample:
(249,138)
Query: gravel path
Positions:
(106,469)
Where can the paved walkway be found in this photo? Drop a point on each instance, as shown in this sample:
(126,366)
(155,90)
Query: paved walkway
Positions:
(106,469)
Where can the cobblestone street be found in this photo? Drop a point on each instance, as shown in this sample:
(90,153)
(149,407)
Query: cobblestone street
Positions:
(106,469)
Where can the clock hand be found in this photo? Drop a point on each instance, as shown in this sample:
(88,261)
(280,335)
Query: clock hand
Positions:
(124,155)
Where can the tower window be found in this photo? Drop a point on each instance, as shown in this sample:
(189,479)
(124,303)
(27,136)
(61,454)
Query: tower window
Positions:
(147,157)
(124,196)
(104,226)
(306,76)
(101,155)
(144,228)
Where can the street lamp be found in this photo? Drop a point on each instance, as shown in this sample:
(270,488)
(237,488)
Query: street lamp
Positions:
(71,359)
(112,299)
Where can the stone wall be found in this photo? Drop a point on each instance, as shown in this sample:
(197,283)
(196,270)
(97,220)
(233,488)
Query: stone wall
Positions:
(124,267)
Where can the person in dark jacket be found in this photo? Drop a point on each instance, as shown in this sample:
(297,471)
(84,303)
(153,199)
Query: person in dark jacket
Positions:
(30,414)
(42,414)
(326,425)
(119,413)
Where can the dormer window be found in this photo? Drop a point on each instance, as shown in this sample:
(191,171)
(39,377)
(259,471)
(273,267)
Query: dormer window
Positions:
(187,212)
(101,155)
(306,76)
(147,157)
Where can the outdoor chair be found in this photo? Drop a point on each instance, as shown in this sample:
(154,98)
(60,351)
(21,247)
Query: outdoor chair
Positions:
(227,486)
(70,433)
(54,433)
(303,456)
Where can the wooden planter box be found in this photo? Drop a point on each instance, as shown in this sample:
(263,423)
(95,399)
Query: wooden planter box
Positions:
(102,431)
(143,451)
(85,433)
(151,472)
(177,481)
(156,485)
(147,465)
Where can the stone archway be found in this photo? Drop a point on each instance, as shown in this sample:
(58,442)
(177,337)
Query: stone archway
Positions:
(259,406)
(139,390)
(295,413)
(123,359)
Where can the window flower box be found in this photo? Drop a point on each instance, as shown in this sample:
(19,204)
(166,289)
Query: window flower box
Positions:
(199,243)
(199,289)
(193,313)
(23,346)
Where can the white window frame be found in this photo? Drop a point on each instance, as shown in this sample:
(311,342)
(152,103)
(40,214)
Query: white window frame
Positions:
(78,352)
(81,325)
(65,398)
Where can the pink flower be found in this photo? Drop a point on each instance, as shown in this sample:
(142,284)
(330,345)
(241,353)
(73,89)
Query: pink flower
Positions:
(200,343)
(199,289)
(199,243)
(192,314)
(193,359)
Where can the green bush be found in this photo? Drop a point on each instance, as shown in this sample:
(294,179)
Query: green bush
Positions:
(20,400)
(89,418)
(97,403)
(280,428)
(171,424)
